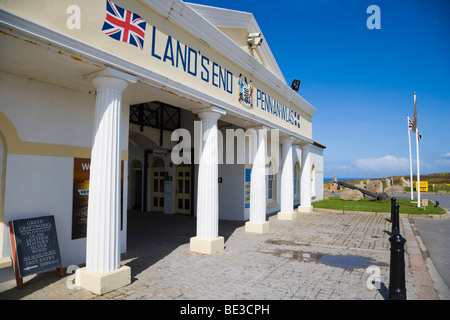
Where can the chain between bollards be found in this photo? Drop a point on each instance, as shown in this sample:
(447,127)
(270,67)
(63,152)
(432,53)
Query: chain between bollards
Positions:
(397,287)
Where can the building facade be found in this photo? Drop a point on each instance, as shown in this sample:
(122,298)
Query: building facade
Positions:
(109,106)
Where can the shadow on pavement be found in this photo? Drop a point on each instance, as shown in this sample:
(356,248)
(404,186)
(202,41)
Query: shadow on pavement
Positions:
(152,236)
(37,282)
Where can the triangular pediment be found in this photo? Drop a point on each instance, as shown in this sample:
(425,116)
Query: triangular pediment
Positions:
(237,25)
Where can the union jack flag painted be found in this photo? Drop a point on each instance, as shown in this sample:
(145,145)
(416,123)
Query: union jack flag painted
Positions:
(123,25)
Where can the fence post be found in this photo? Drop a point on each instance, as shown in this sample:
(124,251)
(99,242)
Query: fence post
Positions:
(395,218)
(393,201)
(397,287)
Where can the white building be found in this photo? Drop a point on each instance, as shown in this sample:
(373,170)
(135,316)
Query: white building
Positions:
(72,92)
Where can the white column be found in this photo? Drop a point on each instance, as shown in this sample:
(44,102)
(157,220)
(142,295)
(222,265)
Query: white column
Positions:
(207,240)
(104,182)
(103,272)
(287,181)
(305,180)
(258,192)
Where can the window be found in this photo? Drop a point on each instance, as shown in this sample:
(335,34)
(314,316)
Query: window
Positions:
(271,183)
(296,179)
(137,165)
(158,162)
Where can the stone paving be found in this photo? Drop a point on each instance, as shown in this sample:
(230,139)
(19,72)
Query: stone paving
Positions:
(319,256)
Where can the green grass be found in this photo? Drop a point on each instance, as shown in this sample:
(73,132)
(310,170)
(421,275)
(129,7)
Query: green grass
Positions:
(370,205)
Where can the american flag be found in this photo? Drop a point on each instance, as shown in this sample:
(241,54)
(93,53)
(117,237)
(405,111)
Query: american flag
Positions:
(123,25)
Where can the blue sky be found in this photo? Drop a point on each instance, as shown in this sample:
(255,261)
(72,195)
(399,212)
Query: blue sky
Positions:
(361,81)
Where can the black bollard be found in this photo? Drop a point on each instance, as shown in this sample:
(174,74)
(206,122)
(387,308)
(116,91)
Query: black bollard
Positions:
(397,287)
(393,201)
(395,218)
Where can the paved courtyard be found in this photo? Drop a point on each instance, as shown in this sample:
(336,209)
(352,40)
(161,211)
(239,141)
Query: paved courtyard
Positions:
(320,255)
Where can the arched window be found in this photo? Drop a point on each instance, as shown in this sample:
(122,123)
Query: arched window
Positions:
(270,183)
(313,181)
(137,165)
(296,180)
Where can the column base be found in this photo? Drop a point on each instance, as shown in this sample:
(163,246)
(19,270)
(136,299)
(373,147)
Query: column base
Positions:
(257,227)
(207,246)
(287,215)
(103,282)
(5,262)
(305,209)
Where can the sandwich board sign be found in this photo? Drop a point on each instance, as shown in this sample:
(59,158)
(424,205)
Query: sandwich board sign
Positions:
(35,248)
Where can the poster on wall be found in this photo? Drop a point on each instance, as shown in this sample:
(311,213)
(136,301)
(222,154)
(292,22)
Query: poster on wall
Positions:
(248,172)
(81,170)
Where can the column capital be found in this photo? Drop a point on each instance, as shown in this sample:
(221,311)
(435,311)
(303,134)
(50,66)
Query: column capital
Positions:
(209,115)
(111,73)
(260,127)
(305,146)
(109,83)
(210,112)
(287,140)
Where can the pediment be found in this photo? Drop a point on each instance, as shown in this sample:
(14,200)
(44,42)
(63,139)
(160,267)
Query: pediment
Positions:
(237,25)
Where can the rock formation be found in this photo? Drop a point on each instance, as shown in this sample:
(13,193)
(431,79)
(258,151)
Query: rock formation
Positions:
(350,194)
(404,182)
(374,186)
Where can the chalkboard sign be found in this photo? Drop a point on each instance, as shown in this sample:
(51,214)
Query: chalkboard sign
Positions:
(35,245)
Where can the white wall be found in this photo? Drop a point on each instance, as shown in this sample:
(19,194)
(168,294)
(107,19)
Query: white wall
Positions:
(49,114)
(42,185)
(38,186)
(231,192)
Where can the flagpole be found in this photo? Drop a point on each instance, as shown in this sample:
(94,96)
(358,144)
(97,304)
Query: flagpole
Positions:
(418,168)
(410,161)
(416,131)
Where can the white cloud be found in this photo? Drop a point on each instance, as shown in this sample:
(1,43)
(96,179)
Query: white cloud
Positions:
(383,164)
(443,161)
